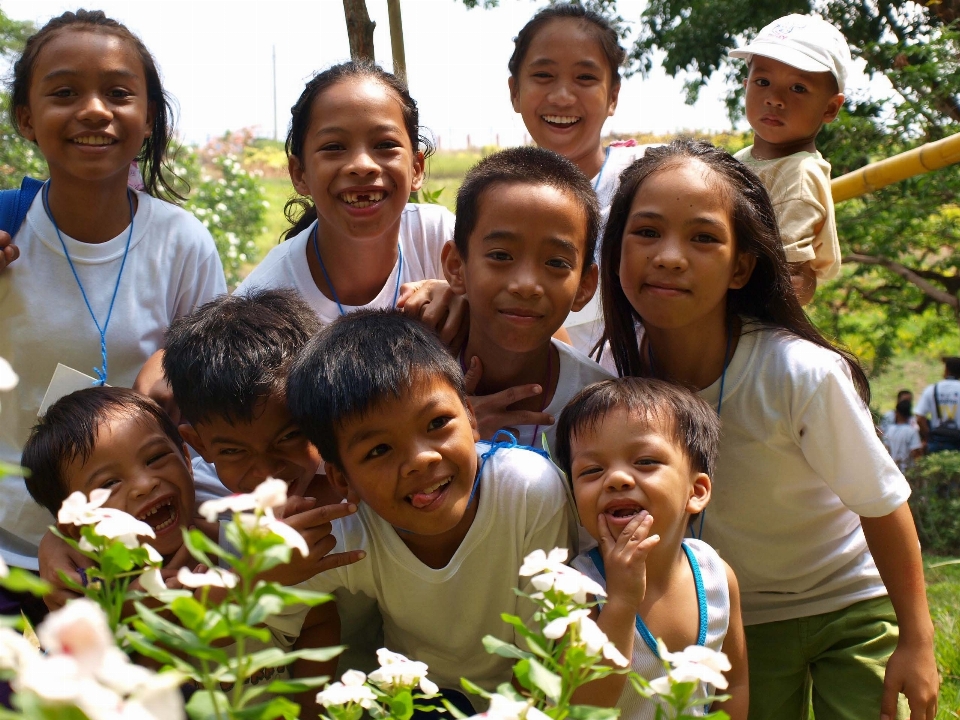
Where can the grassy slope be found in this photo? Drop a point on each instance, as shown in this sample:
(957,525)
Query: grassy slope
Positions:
(943,591)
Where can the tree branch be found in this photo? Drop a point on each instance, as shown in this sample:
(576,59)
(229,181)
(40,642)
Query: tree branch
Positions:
(910,276)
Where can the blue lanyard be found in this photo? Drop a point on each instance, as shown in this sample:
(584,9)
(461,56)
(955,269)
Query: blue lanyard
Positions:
(102,370)
(701,600)
(606,156)
(323,269)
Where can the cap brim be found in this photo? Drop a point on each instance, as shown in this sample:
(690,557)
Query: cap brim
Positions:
(782,53)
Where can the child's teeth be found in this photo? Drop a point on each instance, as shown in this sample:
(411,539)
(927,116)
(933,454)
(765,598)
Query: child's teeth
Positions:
(94,140)
(560,120)
(362,200)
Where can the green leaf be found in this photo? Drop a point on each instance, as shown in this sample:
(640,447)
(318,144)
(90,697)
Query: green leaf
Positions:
(496,646)
(290,687)
(279,707)
(24,581)
(115,559)
(201,705)
(199,545)
(546,680)
(454,711)
(190,612)
(297,596)
(588,712)
(148,649)
(473,688)
(401,705)
(265,606)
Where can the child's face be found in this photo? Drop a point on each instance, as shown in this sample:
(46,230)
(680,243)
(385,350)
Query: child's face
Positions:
(679,256)
(785,105)
(627,464)
(87,109)
(413,461)
(360,164)
(247,453)
(524,271)
(564,89)
(147,473)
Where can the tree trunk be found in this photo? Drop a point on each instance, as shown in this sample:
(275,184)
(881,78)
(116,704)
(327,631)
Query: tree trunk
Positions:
(396,40)
(359,29)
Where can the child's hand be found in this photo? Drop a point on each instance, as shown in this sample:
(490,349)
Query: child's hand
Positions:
(491,410)
(625,558)
(314,525)
(911,670)
(437,307)
(55,555)
(8,251)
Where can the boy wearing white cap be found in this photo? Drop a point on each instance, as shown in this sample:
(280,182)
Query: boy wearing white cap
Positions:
(798,65)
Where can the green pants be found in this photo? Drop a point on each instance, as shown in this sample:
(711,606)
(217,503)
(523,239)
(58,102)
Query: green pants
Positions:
(836,660)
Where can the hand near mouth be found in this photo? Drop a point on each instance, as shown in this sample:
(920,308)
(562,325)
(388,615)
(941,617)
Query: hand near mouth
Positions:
(625,559)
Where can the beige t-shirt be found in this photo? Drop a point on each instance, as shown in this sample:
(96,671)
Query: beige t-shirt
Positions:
(799,187)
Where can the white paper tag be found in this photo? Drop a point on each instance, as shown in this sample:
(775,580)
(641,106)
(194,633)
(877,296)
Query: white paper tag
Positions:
(65,380)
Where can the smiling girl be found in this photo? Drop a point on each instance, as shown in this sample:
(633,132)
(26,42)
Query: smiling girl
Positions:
(102,268)
(354,157)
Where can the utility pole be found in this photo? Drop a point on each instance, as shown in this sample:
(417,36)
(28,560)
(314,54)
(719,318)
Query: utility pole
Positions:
(396,40)
(275,135)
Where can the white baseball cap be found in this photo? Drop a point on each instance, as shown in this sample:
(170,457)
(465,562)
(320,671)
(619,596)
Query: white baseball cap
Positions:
(806,42)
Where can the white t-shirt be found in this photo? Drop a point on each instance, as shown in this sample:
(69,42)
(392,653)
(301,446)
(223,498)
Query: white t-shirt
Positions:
(948,395)
(713,595)
(889,419)
(440,616)
(172,267)
(586,326)
(423,231)
(800,461)
(901,440)
(576,372)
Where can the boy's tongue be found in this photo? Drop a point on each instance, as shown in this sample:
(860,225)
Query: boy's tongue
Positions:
(421,499)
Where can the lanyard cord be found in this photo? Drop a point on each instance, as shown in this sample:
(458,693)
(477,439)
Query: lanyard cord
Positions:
(102,370)
(606,156)
(723,376)
(323,269)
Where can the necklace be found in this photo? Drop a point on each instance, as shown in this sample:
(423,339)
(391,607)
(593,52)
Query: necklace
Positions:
(101,372)
(546,389)
(323,269)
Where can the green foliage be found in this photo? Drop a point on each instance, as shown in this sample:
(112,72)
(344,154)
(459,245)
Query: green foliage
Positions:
(935,502)
(943,592)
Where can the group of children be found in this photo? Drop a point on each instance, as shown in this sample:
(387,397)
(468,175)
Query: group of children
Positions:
(804,566)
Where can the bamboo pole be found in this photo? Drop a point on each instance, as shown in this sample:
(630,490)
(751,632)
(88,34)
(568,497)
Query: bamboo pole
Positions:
(396,40)
(925,158)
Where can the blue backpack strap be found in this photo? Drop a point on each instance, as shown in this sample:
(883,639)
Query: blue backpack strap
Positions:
(14,204)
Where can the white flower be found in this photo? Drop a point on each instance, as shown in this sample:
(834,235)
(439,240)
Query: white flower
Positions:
(567,581)
(398,671)
(590,635)
(157,697)
(152,581)
(214,577)
(538,561)
(77,511)
(269,494)
(118,525)
(15,650)
(153,557)
(79,629)
(291,538)
(697,663)
(661,685)
(352,690)
(8,378)
(503,708)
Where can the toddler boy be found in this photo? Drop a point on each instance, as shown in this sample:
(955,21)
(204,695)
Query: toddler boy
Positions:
(797,70)
(527,221)
(445,522)
(639,454)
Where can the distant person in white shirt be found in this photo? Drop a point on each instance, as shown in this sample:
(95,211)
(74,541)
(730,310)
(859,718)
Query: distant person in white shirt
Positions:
(888,419)
(902,438)
(937,410)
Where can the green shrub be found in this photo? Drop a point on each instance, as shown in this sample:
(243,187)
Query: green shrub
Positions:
(935,502)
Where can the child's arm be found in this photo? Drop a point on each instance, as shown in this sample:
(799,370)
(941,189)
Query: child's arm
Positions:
(56,556)
(624,560)
(8,251)
(321,628)
(804,280)
(437,307)
(735,648)
(911,669)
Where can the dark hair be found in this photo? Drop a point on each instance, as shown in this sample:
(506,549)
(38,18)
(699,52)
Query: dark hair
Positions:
(356,363)
(695,425)
(768,295)
(905,408)
(300,211)
(69,430)
(952,366)
(901,393)
(152,157)
(233,352)
(525,166)
(601,28)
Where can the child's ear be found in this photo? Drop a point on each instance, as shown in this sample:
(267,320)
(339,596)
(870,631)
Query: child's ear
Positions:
(296,175)
(614,97)
(473,421)
(833,108)
(419,170)
(192,438)
(453,268)
(338,481)
(25,123)
(699,494)
(151,114)
(587,288)
(514,94)
(742,270)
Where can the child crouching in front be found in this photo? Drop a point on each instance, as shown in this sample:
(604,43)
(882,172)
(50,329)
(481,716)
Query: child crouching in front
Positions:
(119,440)
(639,455)
(445,522)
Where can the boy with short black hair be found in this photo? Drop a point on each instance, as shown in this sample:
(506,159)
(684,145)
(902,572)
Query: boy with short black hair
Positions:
(445,522)
(797,72)
(639,454)
(117,439)
(902,439)
(527,222)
